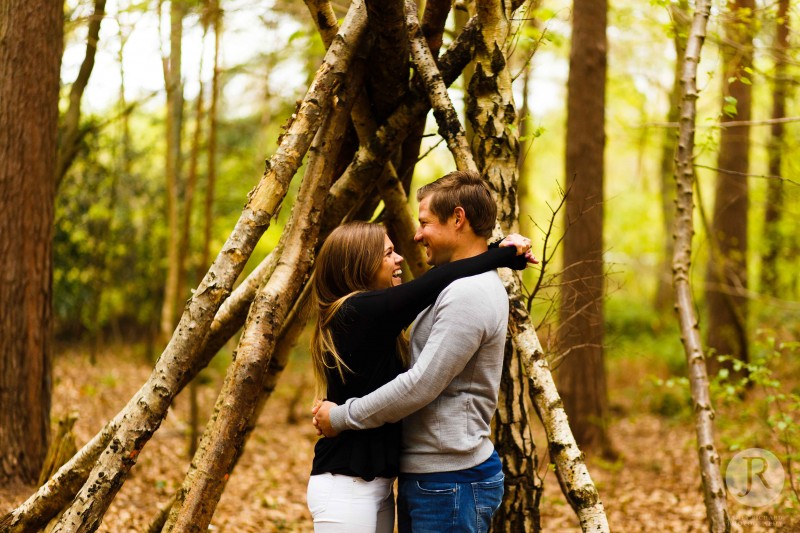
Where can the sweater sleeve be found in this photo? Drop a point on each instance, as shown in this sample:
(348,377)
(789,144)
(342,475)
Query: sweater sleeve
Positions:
(401,304)
(458,329)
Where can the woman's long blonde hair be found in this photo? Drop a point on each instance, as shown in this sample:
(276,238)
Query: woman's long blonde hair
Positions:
(346,265)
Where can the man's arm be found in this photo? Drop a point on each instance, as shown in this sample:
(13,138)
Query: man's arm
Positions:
(456,335)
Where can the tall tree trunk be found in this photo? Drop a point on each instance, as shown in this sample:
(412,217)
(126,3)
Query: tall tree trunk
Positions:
(679,13)
(773,239)
(387,79)
(215,15)
(523,164)
(174,85)
(30,61)
(713,488)
(492,114)
(726,275)
(185,235)
(581,376)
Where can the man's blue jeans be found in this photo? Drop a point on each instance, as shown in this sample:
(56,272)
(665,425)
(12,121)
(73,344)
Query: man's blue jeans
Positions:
(434,507)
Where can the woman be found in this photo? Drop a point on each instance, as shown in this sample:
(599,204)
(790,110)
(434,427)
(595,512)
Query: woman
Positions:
(357,346)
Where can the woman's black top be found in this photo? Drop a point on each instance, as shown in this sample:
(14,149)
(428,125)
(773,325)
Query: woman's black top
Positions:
(365,332)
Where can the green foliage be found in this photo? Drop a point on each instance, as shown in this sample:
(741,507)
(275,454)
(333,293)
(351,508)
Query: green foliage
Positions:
(761,409)
(104,249)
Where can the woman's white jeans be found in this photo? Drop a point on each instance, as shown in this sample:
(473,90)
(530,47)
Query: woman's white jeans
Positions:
(350,504)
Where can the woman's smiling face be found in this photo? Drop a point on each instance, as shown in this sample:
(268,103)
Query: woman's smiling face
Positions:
(389,273)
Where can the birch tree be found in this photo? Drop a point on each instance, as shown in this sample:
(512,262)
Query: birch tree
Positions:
(713,488)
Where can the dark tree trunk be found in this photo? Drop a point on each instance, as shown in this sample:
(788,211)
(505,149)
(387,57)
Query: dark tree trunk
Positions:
(581,376)
(30,61)
(726,275)
(773,240)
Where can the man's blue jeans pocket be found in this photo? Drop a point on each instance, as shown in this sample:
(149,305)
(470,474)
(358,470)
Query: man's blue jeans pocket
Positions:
(436,507)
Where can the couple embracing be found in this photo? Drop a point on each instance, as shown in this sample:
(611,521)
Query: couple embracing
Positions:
(418,409)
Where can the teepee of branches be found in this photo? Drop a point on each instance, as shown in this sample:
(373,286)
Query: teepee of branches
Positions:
(346,174)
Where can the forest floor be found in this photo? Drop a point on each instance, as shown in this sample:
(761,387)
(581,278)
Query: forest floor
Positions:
(654,485)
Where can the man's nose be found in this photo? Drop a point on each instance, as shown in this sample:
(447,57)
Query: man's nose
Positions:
(418,235)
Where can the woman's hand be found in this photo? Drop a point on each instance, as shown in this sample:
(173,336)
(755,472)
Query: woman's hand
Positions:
(522,244)
(321,420)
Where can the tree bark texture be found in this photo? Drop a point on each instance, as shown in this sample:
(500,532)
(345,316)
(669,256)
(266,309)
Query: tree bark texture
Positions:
(387,80)
(213,120)
(713,488)
(370,159)
(30,62)
(225,434)
(446,117)
(573,475)
(726,274)
(491,110)
(152,401)
(581,375)
(773,239)
(70,133)
(433,22)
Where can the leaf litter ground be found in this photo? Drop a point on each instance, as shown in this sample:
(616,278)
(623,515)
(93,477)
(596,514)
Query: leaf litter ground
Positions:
(654,486)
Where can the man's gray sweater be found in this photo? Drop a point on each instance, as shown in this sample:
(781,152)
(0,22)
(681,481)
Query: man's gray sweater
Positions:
(449,395)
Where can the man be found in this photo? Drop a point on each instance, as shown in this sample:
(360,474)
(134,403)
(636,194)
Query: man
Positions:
(451,476)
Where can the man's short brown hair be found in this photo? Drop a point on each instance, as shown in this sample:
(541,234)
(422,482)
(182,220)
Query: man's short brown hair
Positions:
(465,189)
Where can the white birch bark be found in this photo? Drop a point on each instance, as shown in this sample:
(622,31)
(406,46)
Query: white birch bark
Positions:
(446,117)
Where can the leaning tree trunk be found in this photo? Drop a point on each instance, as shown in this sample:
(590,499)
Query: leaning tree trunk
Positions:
(432,24)
(726,272)
(713,488)
(773,238)
(225,434)
(576,483)
(149,406)
(30,60)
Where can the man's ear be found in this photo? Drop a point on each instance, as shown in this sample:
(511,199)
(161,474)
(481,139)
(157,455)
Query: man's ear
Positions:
(460,217)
